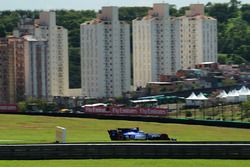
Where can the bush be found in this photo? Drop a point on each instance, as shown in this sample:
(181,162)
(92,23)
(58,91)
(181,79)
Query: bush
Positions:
(22,106)
(188,114)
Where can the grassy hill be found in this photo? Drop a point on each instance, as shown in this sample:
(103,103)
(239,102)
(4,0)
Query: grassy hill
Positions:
(41,129)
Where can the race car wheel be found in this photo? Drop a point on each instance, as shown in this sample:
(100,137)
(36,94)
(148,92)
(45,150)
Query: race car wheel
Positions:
(132,137)
(164,137)
(120,137)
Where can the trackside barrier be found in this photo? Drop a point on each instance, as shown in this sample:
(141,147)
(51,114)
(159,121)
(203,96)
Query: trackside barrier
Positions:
(125,150)
(8,108)
(126,111)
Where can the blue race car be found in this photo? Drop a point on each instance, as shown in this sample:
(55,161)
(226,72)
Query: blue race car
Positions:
(135,134)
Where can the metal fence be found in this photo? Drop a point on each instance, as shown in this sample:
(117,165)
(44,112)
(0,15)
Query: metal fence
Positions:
(223,112)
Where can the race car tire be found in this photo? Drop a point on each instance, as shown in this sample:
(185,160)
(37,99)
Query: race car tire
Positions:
(131,137)
(164,137)
(120,137)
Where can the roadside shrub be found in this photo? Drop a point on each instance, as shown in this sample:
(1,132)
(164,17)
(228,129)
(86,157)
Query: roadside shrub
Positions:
(188,114)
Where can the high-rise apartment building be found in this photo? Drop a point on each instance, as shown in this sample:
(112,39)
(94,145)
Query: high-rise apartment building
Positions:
(16,74)
(25,26)
(105,55)
(4,65)
(152,45)
(57,66)
(197,36)
(11,70)
(48,43)
(36,66)
(162,44)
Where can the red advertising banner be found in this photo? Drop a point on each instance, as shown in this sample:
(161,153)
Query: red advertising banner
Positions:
(123,111)
(126,111)
(8,108)
(95,110)
(153,111)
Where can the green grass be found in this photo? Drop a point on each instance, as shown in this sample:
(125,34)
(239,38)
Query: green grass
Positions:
(128,163)
(41,129)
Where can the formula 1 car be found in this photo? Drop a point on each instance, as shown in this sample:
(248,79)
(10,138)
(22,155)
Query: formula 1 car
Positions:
(135,134)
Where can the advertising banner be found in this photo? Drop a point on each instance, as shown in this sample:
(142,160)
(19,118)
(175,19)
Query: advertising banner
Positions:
(126,111)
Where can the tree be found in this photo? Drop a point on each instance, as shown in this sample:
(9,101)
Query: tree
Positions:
(228,82)
(236,59)
(173,11)
(234,8)
(244,51)
(245,9)
(222,58)
(22,106)
(219,11)
(246,16)
(130,13)
(75,68)
(182,10)
(71,20)
(2,30)
(235,35)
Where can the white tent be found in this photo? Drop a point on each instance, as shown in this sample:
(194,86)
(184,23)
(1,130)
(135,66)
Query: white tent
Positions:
(230,97)
(222,94)
(201,97)
(191,100)
(194,100)
(233,96)
(248,92)
(202,100)
(243,93)
(192,97)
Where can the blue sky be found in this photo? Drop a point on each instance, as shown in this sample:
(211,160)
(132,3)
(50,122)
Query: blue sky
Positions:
(91,4)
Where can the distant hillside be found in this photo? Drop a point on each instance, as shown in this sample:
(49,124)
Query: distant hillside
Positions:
(233,29)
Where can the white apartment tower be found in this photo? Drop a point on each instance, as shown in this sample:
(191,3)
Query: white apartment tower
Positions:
(57,38)
(163,45)
(36,78)
(105,55)
(197,36)
(152,46)
(54,63)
